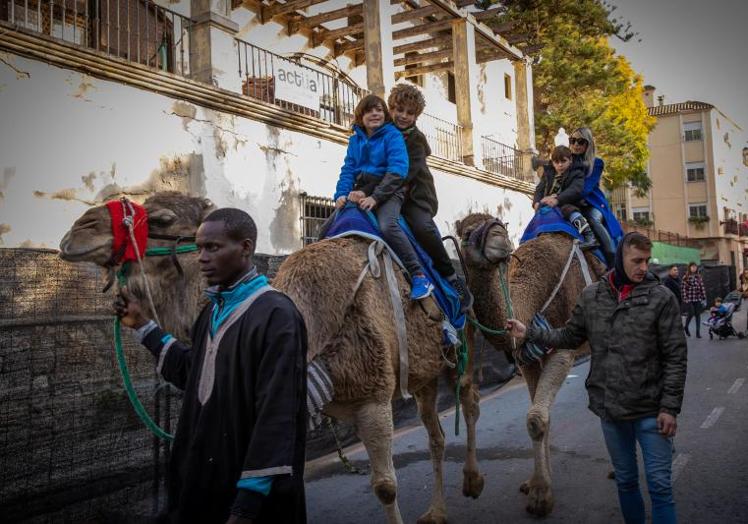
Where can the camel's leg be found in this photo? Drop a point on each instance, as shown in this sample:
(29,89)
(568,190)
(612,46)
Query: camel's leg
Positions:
(531,374)
(472,480)
(554,373)
(374,427)
(426,399)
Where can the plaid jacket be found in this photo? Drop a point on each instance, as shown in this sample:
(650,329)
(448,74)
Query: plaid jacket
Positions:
(692,289)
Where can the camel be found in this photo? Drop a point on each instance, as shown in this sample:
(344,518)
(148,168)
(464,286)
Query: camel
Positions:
(534,271)
(353,334)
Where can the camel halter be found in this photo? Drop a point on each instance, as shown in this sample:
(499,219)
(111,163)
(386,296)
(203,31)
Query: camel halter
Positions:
(128,222)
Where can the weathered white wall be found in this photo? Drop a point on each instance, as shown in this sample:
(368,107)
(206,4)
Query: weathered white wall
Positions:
(730,173)
(68,141)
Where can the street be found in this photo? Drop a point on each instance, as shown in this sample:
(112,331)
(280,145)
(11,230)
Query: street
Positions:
(709,469)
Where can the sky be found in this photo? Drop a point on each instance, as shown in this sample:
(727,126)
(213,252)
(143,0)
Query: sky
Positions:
(691,50)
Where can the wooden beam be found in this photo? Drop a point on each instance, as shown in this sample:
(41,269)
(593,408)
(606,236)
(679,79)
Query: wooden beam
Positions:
(442,42)
(433,68)
(429,27)
(423,57)
(421,12)
(514,39)
(490,55)
(348,45)
(343,12)
(481,16)
(503,27)
(334,34)
(276,9)
(464,3)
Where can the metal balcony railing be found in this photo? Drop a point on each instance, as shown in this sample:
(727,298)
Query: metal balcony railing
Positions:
(506,160)
(287,83)
(134,30)
(445,138)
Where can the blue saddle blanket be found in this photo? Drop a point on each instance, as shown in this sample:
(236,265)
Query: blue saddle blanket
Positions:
(550,220)
(350,220)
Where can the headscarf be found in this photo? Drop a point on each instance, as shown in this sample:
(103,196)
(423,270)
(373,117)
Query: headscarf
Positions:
(589,155)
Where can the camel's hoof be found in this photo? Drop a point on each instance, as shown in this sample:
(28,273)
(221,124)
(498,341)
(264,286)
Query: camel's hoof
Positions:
(472,484)
(433,516)
(525,487)
(386,492)
(540,502)
(612,474)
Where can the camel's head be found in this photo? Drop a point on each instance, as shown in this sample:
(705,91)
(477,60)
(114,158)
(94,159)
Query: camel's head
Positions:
(169,213)
(485,240)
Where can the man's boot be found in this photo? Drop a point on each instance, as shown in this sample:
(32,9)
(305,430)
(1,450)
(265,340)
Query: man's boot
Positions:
(588,237)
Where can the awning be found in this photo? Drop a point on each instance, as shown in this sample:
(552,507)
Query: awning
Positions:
(667,254)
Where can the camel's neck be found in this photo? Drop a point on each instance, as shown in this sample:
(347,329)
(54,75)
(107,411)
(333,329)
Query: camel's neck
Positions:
(490,306)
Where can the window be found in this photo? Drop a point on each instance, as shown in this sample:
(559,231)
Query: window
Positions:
(507,86)
(695,171)
(620,211)
(641,215)
(314,212)
(697,211)
(451,89)
(691,131)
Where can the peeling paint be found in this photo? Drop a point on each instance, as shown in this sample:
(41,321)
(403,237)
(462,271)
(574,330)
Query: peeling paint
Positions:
(8,174)
(88,181)
(86,85)
(184,111)
(5,58)
(69,194)
(283,235)
(4,228)
(481,87)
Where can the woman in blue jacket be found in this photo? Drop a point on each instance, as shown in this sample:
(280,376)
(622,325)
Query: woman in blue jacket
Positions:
(373,176)
(597,209)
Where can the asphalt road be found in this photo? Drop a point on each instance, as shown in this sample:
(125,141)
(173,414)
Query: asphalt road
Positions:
(710,461)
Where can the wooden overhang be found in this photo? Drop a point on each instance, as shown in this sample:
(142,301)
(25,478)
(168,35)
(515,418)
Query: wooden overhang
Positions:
(421,35)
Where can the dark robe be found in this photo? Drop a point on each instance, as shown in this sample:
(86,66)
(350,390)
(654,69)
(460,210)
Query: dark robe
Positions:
(250,423)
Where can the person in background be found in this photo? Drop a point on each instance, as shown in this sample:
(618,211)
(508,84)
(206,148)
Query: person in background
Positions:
(673,282)
(694,296)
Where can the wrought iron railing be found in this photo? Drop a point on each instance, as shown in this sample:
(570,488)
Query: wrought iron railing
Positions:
(287,83)
(445,138)
(506,160)
(138,31)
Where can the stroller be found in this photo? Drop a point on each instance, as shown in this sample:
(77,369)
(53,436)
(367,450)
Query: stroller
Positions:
(720,323)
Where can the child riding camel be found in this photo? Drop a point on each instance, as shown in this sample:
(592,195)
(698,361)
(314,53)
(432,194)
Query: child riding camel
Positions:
(406,104)
(562,185)
(373,176)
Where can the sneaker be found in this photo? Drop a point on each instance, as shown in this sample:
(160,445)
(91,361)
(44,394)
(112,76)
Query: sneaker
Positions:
(466,297)
(421,287)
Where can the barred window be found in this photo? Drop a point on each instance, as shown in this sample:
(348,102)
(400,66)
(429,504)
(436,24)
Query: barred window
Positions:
(314,212)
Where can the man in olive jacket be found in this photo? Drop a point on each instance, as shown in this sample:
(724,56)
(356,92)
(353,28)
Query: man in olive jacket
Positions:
(637,371)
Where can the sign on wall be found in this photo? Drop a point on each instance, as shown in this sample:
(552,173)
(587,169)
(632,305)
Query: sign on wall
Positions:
(297,85)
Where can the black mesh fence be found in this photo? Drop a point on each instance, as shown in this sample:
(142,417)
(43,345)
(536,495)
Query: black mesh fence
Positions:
(71,447)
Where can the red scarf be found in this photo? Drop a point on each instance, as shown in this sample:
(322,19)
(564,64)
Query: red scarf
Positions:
(122,248)
(622,293)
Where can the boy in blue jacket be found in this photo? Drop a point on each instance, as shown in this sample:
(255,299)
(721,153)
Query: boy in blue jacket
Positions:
(373,176)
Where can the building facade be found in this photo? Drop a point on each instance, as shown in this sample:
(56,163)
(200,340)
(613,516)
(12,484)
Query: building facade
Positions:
(249,104)
(699,170)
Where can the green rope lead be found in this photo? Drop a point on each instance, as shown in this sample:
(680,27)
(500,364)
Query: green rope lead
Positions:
(462,359)
(131,394)
(163,251)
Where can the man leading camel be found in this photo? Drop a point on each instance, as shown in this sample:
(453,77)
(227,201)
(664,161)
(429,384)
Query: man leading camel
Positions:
(637,372)
(238,455)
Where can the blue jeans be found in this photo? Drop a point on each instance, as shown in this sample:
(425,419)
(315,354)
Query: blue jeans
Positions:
(657,451)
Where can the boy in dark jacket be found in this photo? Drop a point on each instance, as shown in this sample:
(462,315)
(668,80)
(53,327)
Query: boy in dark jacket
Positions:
(406,104)
(562,185)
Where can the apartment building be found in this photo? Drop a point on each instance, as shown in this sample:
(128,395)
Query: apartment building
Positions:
(249,103)
(699,170)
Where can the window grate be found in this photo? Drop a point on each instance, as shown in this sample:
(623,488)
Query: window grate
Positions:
(315,211)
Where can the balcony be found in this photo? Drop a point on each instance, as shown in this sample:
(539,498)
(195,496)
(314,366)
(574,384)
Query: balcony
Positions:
(137,31)
(502,159)
(733,227)
(287,83)
(445,138)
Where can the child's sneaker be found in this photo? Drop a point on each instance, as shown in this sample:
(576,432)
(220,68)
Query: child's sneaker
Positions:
(421,287)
